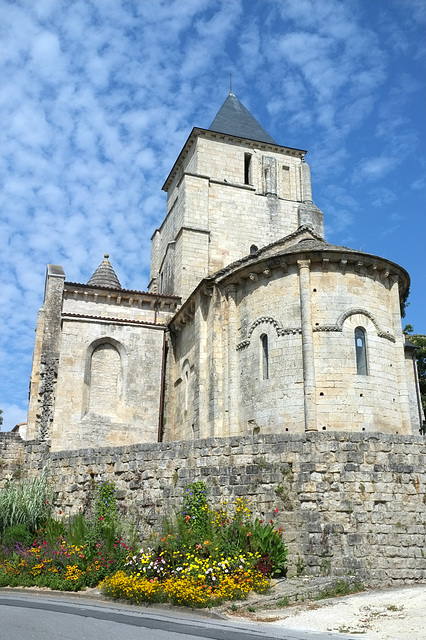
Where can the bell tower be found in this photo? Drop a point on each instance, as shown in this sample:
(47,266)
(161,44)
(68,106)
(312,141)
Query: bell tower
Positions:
(231,191)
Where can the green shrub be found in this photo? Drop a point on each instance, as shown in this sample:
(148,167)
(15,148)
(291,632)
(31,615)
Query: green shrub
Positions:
(17,533)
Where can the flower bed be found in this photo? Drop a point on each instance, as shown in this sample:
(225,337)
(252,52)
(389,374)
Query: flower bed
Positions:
(204,555)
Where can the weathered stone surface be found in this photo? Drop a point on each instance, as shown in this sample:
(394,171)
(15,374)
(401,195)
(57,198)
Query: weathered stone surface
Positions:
(375,524)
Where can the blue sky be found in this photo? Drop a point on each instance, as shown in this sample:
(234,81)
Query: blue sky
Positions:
(99,96)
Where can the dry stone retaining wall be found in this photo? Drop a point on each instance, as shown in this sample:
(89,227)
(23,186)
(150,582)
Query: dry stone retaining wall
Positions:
(348,503)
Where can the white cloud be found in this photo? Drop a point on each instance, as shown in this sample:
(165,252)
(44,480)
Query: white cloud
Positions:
(99,96)
(374,168)
(382,196)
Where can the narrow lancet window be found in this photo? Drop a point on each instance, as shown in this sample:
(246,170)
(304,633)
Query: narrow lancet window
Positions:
(264,356)
(361,352)
(247,172)
(186,389)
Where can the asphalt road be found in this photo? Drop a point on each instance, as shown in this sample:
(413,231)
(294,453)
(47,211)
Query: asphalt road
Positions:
(25,617)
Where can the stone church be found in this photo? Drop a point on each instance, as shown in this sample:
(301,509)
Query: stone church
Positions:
(252,322)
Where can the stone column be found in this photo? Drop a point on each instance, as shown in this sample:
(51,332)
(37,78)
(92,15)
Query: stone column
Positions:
(404,403)
(233,380)
(307,345)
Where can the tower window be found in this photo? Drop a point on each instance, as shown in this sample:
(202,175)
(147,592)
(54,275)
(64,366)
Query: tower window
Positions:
(247,171)
(264,356)
(361,351)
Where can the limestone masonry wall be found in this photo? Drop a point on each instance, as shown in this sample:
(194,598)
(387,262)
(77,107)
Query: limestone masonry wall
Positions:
(348,503)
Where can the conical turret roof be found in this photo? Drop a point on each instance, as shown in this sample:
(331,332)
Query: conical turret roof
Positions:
(105,276)
(235,120)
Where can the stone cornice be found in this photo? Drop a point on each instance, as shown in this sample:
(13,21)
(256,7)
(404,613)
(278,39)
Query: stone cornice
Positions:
(78,317)
(327,257)
(126,297)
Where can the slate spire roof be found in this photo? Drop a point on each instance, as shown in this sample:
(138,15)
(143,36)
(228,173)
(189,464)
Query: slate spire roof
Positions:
(105,276)
(235,120)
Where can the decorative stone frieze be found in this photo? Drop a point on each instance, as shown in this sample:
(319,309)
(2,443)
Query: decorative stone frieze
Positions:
(339,324)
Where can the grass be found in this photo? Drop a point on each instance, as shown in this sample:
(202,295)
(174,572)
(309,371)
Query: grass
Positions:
(26,503)
(340,588)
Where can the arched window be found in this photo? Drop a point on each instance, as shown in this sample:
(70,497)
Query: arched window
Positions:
(105,369)
(361,351)
(264,356)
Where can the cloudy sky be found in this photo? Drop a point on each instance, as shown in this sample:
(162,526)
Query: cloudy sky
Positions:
(99,96)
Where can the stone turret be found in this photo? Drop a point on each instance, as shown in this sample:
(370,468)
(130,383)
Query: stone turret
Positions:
(105,276)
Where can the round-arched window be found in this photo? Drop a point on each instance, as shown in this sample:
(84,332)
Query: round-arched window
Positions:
(361,351)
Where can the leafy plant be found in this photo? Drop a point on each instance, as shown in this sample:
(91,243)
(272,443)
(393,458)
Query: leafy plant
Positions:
(195,506)
(300,566)
(267,541)
(104,528)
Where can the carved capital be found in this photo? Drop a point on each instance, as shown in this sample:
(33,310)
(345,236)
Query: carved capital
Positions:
(343,264)
(304,264)
(231,291)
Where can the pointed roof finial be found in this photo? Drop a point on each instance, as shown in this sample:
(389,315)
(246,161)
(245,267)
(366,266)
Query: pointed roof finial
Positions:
(105,276)
(230,84)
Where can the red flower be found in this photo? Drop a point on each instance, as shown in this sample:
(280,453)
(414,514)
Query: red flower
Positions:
(101,519)
(276,510)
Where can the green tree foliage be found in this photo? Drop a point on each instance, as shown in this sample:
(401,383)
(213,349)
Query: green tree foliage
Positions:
(419,341)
